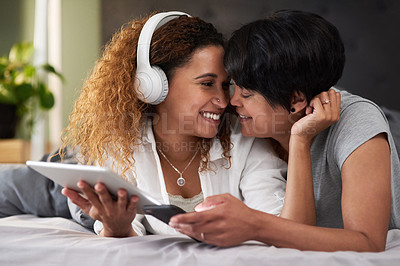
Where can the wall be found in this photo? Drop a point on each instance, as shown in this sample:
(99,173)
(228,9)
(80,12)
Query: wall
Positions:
(10,24)
(81,39)
(368,28)
(81,42)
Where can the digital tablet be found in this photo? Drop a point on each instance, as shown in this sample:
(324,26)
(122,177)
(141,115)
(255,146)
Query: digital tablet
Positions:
(68,175)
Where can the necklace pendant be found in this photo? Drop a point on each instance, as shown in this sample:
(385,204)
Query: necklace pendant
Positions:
(181,181)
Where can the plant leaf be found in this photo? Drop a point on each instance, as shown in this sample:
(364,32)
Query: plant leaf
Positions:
(29,71)
(46,97)
(49,68)
(2,69)
(19,78)
(6,96)
(4,60)
(47,100)
(21,52)
(23,91)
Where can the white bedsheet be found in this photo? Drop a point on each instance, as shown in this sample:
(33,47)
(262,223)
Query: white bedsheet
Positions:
(29,240)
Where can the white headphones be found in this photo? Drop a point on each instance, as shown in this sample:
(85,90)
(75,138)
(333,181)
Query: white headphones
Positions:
(151,81)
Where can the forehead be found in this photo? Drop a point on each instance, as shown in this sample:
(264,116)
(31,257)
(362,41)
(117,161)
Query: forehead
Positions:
(205,55)
(208,59)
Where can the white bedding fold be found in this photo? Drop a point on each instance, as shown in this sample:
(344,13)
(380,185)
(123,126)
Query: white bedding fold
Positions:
(29,240)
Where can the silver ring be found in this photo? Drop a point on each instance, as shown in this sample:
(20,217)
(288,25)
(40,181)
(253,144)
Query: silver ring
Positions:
(326,101)
(202,236)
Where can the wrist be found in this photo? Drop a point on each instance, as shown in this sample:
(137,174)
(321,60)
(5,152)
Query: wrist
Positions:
(260,224)
(300,141)
(120,233)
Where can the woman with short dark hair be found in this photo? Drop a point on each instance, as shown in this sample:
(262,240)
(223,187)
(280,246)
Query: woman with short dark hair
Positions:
(343,175)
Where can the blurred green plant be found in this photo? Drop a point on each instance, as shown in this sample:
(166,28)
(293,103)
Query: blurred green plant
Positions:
(21,84)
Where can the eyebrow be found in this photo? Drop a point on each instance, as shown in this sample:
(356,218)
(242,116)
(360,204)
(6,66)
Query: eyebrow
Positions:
(207,75)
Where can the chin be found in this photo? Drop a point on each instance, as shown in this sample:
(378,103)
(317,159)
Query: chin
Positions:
(246,133)
(208,135)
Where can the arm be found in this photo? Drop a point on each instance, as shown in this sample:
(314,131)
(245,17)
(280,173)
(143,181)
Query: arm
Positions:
(299,203)
(366,212)
(299,200)
(365,206)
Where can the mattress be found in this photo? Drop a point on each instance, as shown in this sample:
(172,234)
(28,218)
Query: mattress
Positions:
(30,240)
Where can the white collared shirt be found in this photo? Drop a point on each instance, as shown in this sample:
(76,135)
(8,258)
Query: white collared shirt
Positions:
(256,177)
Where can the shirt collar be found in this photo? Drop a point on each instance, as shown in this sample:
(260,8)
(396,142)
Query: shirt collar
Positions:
(147,132)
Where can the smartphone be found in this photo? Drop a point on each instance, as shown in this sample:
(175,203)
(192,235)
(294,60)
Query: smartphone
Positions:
(162,212)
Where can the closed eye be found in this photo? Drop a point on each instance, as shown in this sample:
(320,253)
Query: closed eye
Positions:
(245,93)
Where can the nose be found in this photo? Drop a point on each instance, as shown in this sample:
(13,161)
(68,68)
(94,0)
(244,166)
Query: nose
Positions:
(235,100)
(221,99)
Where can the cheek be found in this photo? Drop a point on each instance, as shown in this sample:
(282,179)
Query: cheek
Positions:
(262,124)
(269,123)
(278,126)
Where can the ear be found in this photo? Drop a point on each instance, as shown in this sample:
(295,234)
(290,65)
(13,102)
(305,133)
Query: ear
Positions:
(298,102)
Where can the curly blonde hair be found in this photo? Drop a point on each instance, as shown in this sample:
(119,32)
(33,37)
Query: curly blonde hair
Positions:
(108,116)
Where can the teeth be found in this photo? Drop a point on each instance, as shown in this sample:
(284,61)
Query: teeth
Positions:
(242,116)
(211,115)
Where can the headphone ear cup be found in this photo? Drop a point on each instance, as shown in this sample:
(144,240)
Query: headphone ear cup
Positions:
(163,91)
(152,85)
(151,82)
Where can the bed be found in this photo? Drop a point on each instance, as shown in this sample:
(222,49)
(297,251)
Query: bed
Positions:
(49,236)
(31,240)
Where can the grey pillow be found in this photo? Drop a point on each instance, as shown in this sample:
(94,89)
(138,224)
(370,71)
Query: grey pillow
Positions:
(24,191)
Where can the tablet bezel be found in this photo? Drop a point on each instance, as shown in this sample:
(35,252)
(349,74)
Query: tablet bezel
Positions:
(68,175)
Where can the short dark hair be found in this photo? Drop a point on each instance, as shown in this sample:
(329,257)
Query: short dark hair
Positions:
(286,52)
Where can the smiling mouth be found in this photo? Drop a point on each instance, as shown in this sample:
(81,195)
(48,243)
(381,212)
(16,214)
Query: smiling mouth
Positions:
(244,117)
(209,115)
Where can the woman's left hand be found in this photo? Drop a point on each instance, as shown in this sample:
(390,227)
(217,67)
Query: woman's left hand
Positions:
(323,111)
(116,215)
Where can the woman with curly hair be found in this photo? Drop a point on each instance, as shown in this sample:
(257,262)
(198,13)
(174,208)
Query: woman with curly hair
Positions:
(181,150)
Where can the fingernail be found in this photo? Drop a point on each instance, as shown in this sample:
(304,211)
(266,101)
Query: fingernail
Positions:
(79,184)
(172,224)
(200,208)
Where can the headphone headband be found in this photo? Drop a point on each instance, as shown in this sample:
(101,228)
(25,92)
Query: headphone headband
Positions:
(148,82)
(152,24)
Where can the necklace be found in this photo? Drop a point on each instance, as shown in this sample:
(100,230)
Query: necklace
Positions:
(180,181)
